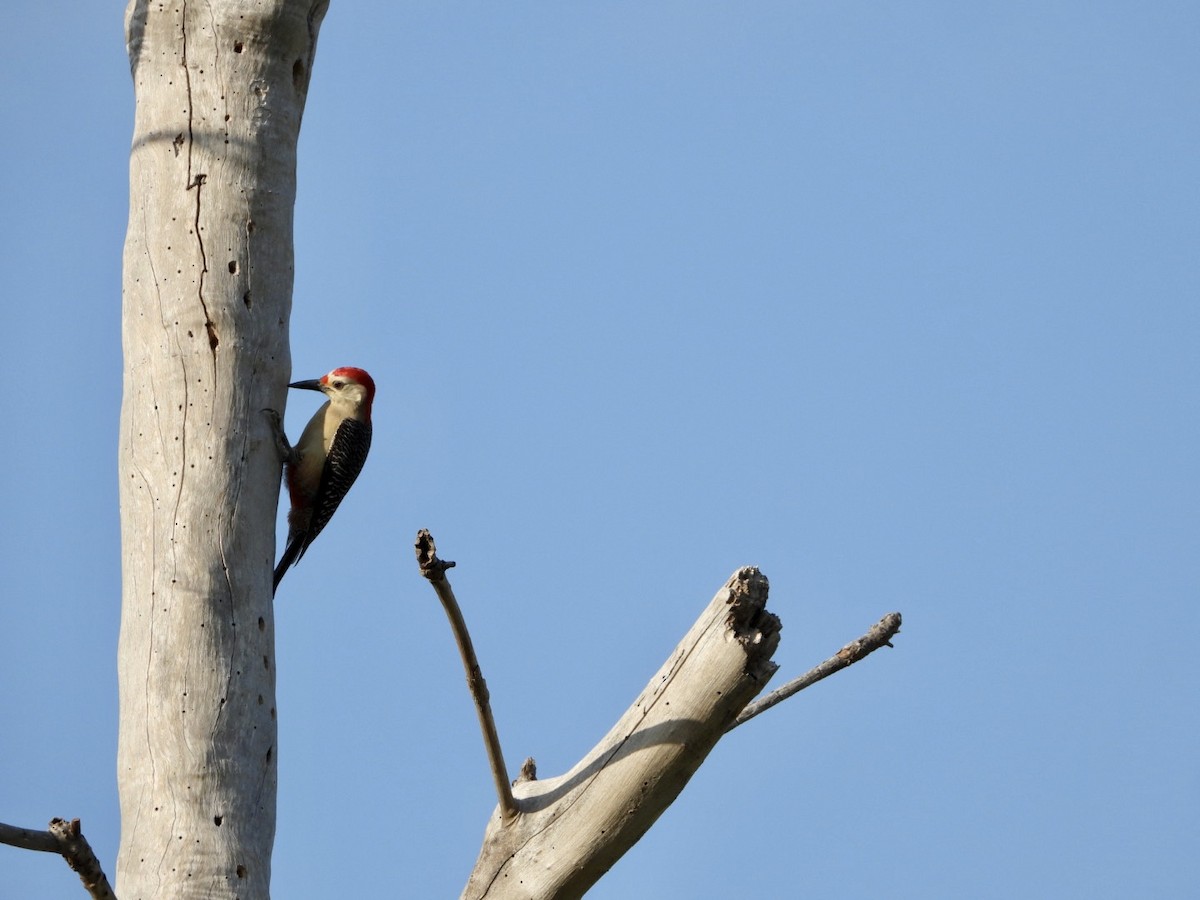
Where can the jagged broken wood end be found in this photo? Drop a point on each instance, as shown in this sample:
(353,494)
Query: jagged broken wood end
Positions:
(572,828)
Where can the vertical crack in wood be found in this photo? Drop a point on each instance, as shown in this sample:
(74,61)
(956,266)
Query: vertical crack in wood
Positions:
(196,181)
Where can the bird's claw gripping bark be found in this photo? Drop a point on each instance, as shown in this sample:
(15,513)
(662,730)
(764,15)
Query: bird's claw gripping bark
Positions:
(275,421)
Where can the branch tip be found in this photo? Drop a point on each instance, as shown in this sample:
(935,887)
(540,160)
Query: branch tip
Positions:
(432,568)
(879,635)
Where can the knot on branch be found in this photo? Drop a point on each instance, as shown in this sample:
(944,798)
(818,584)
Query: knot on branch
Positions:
(528,771)
(432,568)
(880,635)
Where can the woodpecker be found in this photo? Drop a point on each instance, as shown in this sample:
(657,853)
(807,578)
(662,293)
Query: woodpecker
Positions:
(327,458)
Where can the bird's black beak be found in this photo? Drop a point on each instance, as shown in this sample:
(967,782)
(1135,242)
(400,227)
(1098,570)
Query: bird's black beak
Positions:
(313,384)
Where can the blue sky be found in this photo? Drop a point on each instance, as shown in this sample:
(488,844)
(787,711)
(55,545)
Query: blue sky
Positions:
(899,302)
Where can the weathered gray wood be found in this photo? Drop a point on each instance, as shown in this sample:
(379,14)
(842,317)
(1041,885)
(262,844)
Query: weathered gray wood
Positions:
(219,87)
(572,828)
(66,839)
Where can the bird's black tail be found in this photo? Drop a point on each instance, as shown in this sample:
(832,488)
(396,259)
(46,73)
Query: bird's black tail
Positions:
(295,546)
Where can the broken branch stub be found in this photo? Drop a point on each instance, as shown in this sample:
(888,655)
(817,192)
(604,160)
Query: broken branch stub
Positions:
(572,828)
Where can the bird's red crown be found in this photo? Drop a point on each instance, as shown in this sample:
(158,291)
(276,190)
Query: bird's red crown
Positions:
(354,374)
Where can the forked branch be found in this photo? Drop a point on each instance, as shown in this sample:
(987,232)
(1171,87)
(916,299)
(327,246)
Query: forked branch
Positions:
(552,839)
(880,635)
(66,839)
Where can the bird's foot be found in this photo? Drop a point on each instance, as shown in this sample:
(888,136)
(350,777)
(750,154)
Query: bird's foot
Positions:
(275,422)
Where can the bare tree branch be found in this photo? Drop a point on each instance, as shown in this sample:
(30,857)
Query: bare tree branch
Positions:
(556,837)
(434,570)
(880,635)
(573,827)
(66,839)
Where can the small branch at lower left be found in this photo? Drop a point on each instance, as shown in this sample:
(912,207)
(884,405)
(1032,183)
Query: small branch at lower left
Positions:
(66,839)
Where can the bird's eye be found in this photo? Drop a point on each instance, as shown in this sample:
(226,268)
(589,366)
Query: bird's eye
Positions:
(338,385)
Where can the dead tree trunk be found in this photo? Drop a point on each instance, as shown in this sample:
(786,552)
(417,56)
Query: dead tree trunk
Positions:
(219,88)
